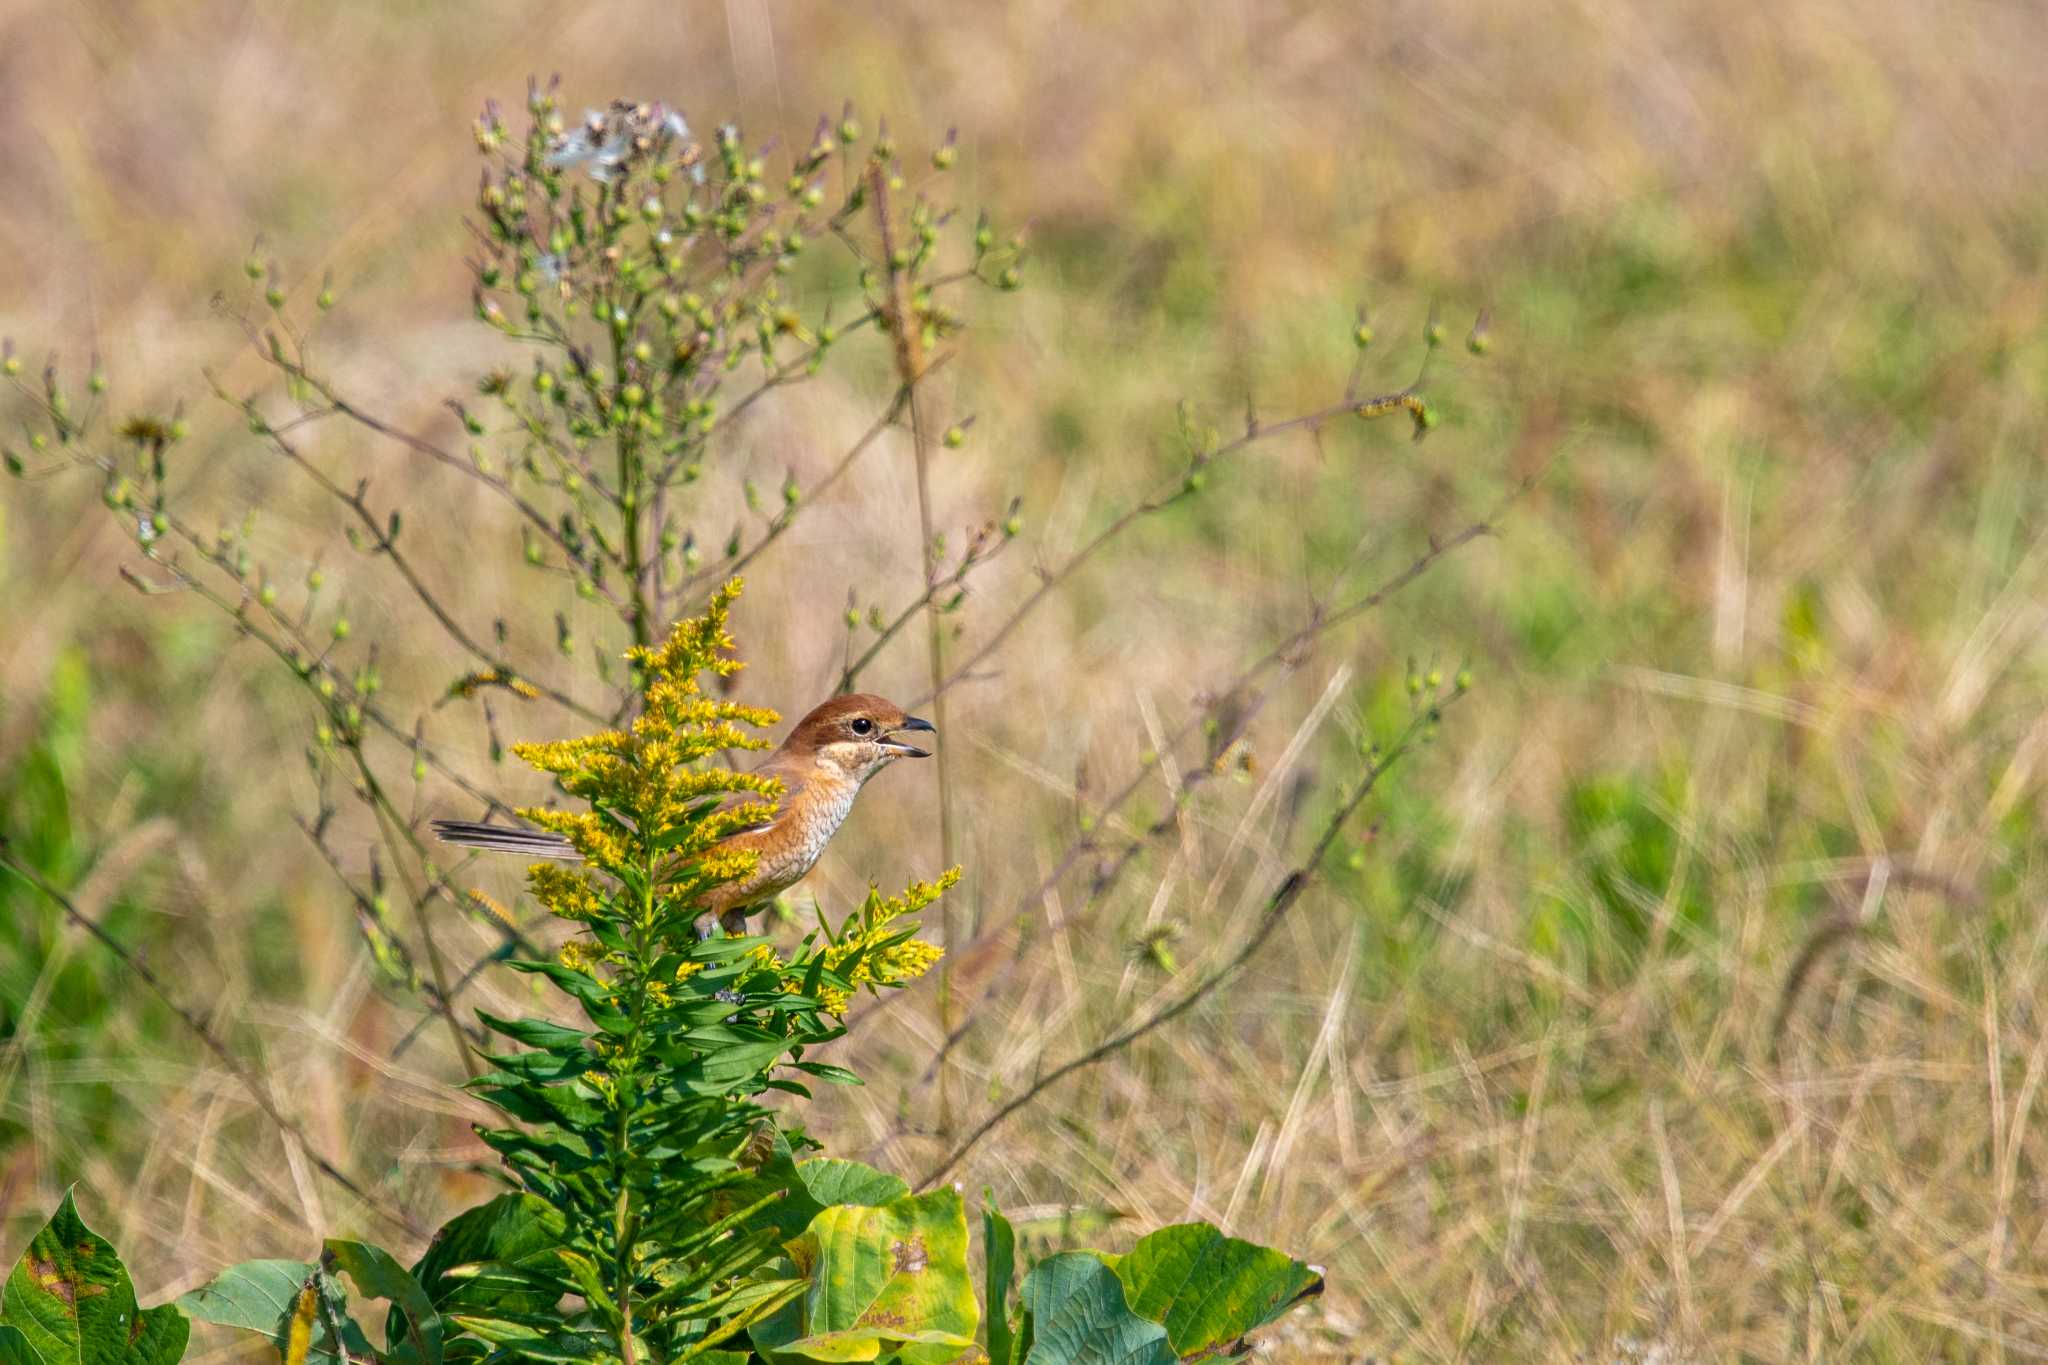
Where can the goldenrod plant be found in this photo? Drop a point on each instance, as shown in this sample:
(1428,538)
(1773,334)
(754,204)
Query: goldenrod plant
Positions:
(661,1199)
(656,1208)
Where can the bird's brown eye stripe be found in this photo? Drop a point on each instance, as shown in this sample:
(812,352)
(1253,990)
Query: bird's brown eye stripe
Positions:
(861,725)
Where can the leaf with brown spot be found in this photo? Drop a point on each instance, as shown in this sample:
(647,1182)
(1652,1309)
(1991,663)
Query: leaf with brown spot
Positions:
(69,1300)
(885,1280)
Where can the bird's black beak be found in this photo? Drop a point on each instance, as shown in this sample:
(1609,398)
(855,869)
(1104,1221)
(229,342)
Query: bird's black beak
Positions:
(897,746)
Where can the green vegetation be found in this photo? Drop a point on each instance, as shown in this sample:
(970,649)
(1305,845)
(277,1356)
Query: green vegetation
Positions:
(1683,998)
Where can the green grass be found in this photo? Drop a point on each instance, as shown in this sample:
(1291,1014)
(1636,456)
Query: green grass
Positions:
(1767,616)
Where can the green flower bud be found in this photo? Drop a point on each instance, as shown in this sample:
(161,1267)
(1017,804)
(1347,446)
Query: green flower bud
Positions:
(324,686)
(97,383)
(274,297)
(1197,480)
(1463,682)
(1011,278)
(1434,334)
(324,299)
(954,438)
(943,158)
(1435,678)
(314,579)
(849,130)
(341,628)
(253,268)
(267,595)
(1012,526)
(1361,336)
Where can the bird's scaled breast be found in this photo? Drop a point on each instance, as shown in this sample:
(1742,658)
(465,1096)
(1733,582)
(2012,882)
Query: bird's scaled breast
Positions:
(799,837)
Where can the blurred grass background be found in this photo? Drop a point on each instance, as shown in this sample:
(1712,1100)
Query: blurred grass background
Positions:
(1764,646)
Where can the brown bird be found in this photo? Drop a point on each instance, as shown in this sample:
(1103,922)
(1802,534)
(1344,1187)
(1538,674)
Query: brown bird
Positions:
(823,764)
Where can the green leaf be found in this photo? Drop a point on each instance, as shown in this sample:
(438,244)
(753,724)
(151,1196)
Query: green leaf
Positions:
(728,1067)
(999,1262)
(830,1181)
(1075,1314)
(889,1277)
(498,1257)
(540,1033)
(258,1296)
(813,1186)
(14,1347)
(70,1300)
(1209,1290)
(378,1275)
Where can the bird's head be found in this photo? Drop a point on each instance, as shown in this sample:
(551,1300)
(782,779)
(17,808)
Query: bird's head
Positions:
(859,734)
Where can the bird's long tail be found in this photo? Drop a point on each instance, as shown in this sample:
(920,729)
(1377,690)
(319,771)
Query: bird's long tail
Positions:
(529,843)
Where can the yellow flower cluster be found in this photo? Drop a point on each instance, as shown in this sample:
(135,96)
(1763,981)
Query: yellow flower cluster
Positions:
(571,893)
(649,806)
(864,942)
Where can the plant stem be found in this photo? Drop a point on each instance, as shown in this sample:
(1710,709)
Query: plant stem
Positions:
(629,509)
(910,368)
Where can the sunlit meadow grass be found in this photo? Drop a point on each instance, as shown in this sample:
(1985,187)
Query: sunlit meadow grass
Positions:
(1759,659)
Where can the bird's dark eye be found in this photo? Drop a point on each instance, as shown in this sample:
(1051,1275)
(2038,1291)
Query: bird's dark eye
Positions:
(861,725)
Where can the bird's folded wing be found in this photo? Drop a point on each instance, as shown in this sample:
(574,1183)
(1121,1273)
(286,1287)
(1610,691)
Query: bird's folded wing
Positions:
(778,766)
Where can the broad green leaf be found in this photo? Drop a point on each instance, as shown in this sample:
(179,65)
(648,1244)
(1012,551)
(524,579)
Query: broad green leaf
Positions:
(999,1264)
(1075,1314)
(258,1296)
(813,1186)
(727,1067)
(541,1033)
(378,1275)
(889,1277)
(14,1347)
(498,1257)
(830,1181)
(1207,1289)
(71,1301)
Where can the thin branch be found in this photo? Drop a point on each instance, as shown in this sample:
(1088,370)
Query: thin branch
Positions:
(726,568)
(1278,904)
(977,554)
(248,1079)
(1402,400)
(387,545)
(905,333)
